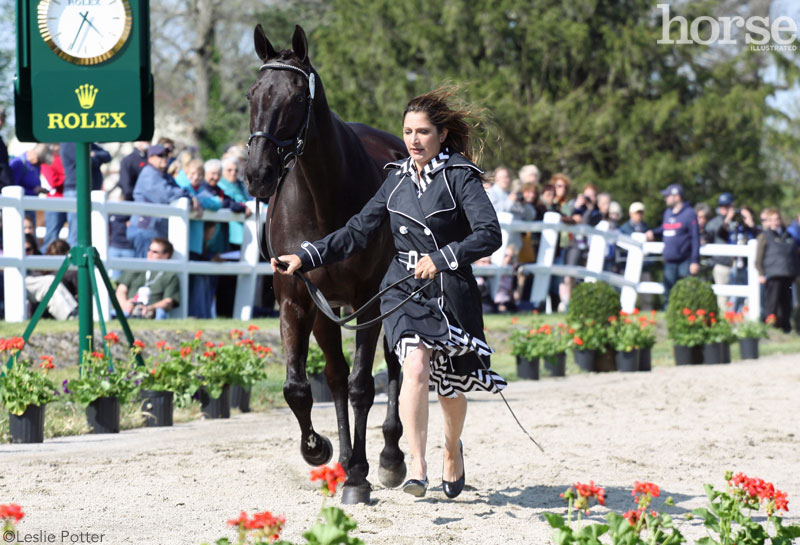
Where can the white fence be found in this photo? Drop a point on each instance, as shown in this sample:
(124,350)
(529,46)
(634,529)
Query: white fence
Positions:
(15,263)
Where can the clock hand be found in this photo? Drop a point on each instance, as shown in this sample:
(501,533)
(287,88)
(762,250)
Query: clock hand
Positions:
(79,32)
(85,18)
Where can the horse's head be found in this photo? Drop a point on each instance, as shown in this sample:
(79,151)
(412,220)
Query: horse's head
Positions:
(280,111)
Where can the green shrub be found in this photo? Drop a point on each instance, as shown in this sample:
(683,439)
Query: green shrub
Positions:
(691,293)
(595,301)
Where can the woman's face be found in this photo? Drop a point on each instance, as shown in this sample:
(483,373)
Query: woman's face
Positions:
(561,189)
(195,177)
(213,176)
(422,140)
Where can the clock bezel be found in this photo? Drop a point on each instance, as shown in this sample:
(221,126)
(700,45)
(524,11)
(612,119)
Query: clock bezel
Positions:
(44,30)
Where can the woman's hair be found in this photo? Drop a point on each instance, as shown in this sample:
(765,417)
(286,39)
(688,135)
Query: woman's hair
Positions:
(58,247)
(461,120)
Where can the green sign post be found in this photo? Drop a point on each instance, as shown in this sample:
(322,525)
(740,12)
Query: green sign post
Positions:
(83,75)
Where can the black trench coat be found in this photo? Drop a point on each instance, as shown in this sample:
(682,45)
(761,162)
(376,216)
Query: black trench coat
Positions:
(454,222)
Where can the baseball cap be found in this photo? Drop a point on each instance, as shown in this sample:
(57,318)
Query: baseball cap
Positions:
(726,199)
(636,207)
(673,189)
(156,149)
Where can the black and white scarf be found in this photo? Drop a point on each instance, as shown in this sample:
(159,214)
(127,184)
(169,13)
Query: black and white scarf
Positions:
(428,171)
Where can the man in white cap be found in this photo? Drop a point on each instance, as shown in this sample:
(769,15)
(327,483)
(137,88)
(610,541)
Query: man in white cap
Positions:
(635,223)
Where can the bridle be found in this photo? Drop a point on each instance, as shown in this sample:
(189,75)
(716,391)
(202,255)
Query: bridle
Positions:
(289,158)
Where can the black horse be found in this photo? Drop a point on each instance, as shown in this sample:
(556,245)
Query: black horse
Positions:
(338,168)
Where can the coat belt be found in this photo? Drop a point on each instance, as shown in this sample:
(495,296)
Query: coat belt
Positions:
(410,258)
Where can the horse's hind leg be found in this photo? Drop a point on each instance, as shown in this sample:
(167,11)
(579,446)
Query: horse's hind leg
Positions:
(392,470)
(329,337)
(296,323)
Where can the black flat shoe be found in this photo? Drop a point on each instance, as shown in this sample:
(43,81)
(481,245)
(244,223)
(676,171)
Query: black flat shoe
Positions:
(454,488)
(416,487)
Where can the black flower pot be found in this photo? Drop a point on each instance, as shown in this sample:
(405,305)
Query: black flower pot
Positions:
(27,427)
(605,362)
(748,348)
(527,369)
(713,353)
(240,398)
(584,359)
(216,407)
(556,364)
(319,388)
(645,359)
(157,408)
(688,355)
(627,362)
(102,414)
(726,352)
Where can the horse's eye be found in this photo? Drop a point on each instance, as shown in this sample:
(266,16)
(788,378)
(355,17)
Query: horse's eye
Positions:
(299,99)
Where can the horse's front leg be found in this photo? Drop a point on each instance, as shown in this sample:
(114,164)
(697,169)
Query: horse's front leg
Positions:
(297,319)
(361,387)
(392,470)
(329,337)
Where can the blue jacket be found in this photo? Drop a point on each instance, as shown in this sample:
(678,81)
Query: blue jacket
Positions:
(155,187)
(25,174)
(99,156)
(680,234)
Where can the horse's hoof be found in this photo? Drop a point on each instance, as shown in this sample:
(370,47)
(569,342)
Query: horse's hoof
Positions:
(356,494)
(392,477)
(317,450)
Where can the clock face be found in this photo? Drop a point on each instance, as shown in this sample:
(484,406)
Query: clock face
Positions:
(85,31)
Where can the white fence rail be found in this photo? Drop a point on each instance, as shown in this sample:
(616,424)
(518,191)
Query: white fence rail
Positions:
(16,264)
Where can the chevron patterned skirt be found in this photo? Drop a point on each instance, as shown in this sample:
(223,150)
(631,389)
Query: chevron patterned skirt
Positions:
(442,375)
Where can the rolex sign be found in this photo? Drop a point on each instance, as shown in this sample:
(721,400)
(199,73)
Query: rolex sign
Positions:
(83,71)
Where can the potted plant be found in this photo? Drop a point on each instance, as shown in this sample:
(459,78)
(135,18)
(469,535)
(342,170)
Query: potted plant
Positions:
(749,332)
(688,337)
(718,339)
(522,349)
(624,339)
(169,380)
(646,339)
(315,367)
(247,357)
(689,296)
(588,338)
(25,392)
(216,373)
(104,385)
(595,302)
(551,344)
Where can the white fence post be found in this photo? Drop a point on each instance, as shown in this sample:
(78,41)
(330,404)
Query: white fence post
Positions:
(99,220)
(633,271)
(597,251)
(548,243)
(753,284)
(246,283)
(179,237)
(14,246)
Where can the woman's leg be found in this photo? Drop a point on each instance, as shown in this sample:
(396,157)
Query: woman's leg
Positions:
(454,411)
(414,408)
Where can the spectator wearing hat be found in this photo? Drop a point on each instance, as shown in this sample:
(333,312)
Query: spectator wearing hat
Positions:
(778,264)
(681,239)
(721,270)
(154,185)
(635,223)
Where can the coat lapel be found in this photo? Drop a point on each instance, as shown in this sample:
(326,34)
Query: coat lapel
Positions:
(404,201)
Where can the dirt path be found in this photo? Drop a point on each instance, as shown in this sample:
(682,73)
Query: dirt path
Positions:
(678,427)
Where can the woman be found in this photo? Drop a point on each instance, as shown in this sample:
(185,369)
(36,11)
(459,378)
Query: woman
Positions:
(442,221)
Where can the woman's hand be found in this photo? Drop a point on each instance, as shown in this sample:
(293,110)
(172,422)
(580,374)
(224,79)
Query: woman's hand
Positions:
(292,260)
(425,268)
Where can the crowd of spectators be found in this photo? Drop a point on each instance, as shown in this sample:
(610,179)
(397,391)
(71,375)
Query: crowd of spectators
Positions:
(150,173)
(684,229)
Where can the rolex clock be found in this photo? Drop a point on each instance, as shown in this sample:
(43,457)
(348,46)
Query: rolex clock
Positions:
(85,32)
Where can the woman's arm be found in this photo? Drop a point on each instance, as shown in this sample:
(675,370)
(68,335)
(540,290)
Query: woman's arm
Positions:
(485,237)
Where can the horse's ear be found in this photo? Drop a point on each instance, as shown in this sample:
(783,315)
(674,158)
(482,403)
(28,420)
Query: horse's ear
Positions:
(299,43)
(264,49)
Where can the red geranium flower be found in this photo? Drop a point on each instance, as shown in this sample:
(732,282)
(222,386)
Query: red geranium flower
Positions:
(577,340)
(161,344)
(252,327)
(111,337)
(47,362)
(331,477)
(185,351)
(11,511)
(198,334)
(139,344)
(686,311)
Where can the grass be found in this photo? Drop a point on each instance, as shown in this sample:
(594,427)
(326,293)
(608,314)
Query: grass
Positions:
(67,418)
